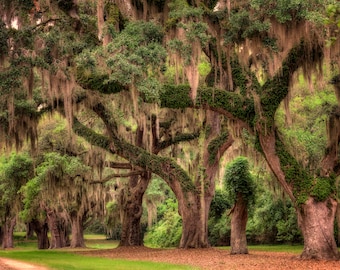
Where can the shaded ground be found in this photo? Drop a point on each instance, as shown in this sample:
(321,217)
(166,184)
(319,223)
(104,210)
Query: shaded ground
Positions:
(212,258)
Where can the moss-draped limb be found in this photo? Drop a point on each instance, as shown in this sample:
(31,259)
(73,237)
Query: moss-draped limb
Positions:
(183,137)
(272,93)
(215,145)
(164,167)
(231,104)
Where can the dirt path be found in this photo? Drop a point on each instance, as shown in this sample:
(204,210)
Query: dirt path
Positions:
(216,259)
(8,264)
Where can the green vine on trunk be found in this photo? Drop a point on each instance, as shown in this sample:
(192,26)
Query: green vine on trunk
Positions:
(215,145)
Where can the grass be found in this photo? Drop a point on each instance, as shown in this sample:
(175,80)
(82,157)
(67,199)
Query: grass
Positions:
(61,260)
(64,259)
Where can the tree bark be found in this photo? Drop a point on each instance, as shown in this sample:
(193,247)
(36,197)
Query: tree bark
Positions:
(77,231)
(131,203)
(59,236)
(29,230)
(316,220)
(239,218)
(338,222)
(41,230)
(8,229)
(1,235)
(189,209)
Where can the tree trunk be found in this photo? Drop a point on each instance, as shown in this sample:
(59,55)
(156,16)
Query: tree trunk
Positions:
(316,220)
(8,228)
(131,202)
(338,222)
(1,235)
(77,239)
(41,230)
(59,236)
(189,208)
(239,218)
(29,230)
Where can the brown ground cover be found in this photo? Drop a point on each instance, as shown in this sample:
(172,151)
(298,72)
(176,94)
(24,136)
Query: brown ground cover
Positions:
(213,258)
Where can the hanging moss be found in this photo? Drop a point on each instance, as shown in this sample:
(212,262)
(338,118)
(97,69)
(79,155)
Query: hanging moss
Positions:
(112,13)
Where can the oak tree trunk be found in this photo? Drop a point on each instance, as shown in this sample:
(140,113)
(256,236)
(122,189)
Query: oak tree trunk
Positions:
(41,230)
(131,202)
(316,220)
(1,235)
(77,231)
(338,222)
(239,218)
(29,230)
(59,235)
(8,229)
(192,225)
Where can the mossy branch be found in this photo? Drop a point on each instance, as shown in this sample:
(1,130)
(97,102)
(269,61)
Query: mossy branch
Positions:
(164,167)
(183,137)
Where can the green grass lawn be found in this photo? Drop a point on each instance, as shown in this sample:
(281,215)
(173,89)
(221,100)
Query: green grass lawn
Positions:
(64,259)
(61,260)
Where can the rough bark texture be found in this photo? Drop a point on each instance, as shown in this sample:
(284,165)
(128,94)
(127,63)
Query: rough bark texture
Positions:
(189,209)
(1,235)
(316,220)
(338,222)
(239,218)
(131,201)
(29,231)
(8,229)
(41,230)
(59,237)
(77,231)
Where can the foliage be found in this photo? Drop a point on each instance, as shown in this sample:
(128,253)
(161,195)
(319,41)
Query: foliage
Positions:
(238,180)
(284,10)
(242,25)
(219,204)
(52,176)
(273,221)
(136,54)
(14,172)
(219,222)
(167,232)
(323,188)
(219,230)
